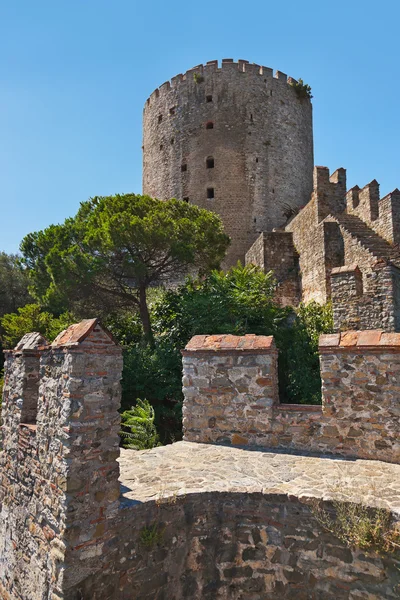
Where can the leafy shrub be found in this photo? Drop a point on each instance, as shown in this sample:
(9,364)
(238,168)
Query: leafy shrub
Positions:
(138,429)
(156,374)
(198,78)
(303,90)
(241,301)
(357,525)
(32,318)
(299,372)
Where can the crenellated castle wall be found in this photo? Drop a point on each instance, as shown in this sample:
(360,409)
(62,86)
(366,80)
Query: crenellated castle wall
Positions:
(192,520)
(338,233)
(231,395)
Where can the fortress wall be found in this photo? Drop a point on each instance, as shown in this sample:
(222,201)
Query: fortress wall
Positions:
(377,307)
(308,239)
(229,391)
(261,143)
(388,223)
(68,531)
(59,485)
(316,235)
(236,546)
(275,251)
(381,214)
(231,396)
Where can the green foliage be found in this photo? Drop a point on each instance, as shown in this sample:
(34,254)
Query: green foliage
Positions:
(106,257)
(303,90)
(32,318)
(299,374)
(138,429)
(13,284)
(239,301)
(152,535)
(156,373)
(360,526)
(198,78)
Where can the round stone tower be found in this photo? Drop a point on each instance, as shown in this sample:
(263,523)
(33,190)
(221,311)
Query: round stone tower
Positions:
(233,139)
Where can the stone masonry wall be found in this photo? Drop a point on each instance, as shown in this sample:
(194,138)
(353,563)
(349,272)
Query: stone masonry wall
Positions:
(275,251)
(69,531)
(231,396)
(376,307)
(317,241)
(235,546)
(337,229)
(59,476)
(261,142)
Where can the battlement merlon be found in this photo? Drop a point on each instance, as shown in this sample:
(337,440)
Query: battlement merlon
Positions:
(381,214)
(212,66)
(329,191)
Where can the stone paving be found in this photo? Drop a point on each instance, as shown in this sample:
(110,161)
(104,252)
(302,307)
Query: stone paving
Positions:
(187,468)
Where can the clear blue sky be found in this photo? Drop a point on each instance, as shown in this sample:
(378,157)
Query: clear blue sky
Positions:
(74,76)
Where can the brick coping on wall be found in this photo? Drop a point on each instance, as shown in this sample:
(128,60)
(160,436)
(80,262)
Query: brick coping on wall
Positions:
(374,339)
(228,344)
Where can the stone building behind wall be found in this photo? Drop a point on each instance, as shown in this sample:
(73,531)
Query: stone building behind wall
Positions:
(238,141)
(346,247)
(233,139)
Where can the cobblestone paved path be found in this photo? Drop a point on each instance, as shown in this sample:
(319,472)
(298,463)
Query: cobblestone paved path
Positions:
(185,468)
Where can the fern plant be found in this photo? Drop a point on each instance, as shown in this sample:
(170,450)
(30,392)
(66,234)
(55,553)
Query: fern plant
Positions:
(138,429)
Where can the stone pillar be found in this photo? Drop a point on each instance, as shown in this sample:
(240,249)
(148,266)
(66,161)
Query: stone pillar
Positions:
(360,372)
(230,386)
(346,289)
(62,531)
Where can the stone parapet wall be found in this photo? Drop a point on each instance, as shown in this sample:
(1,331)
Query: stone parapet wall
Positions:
(59,475)
(230,386)
(375,306)
(191,520)
(231,396)
(236,546)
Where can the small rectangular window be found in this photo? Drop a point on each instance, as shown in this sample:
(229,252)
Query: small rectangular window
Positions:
(210,162)
(209,98)
(186,199)
(183,168)
(172,111)
(159,118)
(210,193)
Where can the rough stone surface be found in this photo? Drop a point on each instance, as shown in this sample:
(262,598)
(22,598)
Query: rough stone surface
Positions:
(377,307)
(275,252)
(59,485)
(232,398)
(354,229)
(261,143)
(236,524)
(187,520)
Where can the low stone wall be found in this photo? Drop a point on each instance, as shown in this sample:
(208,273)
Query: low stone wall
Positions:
(231,396)
(236,525)
(235,546)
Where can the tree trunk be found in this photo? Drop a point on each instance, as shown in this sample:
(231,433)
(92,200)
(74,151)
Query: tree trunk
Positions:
(145,316)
